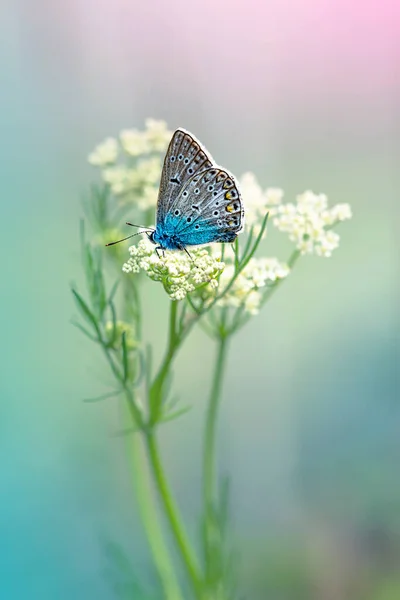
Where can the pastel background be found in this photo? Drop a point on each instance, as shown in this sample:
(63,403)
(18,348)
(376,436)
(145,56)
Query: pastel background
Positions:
(305,94)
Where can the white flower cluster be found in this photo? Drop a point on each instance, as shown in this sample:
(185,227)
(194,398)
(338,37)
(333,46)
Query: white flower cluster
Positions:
(131,166)
(247,289)
(309,223)
(179,274)
(105,153)
(258,202)
(204,272)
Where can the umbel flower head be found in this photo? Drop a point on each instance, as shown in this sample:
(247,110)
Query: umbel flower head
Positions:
(203,272)
(248,288)
(179,274)
(309,223)
(131,165)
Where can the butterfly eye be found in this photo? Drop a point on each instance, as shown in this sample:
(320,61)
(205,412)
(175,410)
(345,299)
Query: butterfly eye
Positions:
(190,170)
(217,204)
(215,193)
(186,161)
(189,220)
(177,212)
(185,193)
(197,226)
(197,191)
(172,159)
(210,188)
(216,213)
(180,156)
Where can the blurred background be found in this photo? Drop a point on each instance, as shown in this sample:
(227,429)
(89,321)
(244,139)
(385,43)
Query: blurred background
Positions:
(304,93)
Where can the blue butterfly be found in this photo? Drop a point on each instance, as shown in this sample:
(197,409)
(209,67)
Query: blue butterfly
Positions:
(198,202)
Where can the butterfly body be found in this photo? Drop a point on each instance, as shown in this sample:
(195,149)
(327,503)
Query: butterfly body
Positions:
(198,201)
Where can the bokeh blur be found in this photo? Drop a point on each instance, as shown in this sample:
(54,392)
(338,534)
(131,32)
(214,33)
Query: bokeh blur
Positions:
(303,93)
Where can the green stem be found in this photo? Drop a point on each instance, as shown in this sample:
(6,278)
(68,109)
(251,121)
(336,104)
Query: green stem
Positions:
(156,398)
(172,513)
(209,459)
(145,501)
(150,522)
(293,258)
(157,387)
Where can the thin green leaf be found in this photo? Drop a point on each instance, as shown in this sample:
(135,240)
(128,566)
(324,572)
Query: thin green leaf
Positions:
(100,196)
(84,331)
(82,233)
(113,291)
(103,396)
(95,206)
(235,246)
(171,404)
(167,386)
(94,279)
(242,265)
(148,371)
(141,369)
(236,320)
(99,283)
(256,243)
(124,357)
(124,432)
(88,264)
(85,311)
(248,243)
(174,415)
(114,323)
(192,304)
(121,573)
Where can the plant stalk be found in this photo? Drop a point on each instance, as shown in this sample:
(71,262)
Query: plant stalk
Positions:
(172,514)
(150,520)
(209,455)
(156,399)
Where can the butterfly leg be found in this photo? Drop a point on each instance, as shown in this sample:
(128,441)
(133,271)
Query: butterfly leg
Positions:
(157,251)
(187,252)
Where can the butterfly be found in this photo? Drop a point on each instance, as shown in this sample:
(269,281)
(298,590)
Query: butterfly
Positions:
(198,201)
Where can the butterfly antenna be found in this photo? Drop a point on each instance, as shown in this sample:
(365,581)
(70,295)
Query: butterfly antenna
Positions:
(140,226)
(125,238)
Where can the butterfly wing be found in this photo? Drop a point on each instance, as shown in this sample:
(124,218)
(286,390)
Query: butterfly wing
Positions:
(185,158)
(209,208)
